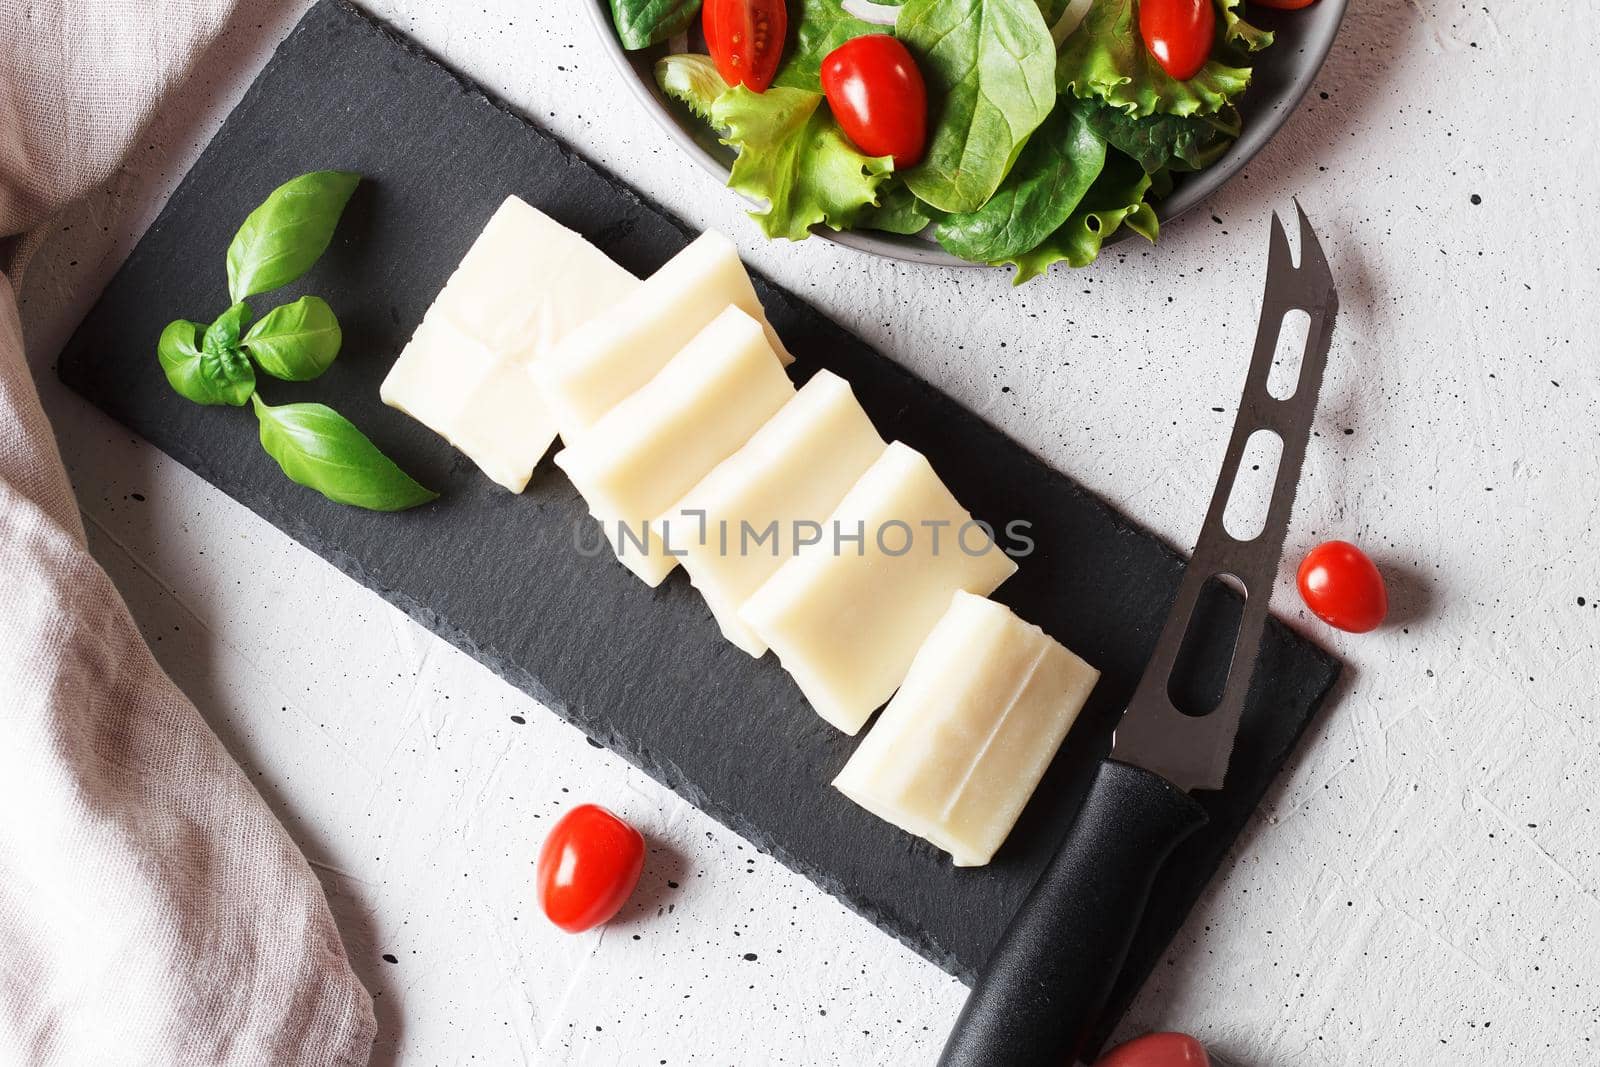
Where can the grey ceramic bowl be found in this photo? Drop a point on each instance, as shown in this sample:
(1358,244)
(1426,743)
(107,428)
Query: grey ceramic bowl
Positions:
(1283,74)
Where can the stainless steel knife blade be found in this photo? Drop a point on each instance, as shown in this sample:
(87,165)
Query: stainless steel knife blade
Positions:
(1191,751)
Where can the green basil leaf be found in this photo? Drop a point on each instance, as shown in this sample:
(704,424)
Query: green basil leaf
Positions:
(1061,161)
(990,68)
(642,23)
(321,449)
(295,342)
(818,28)
(205,377)
(282,238)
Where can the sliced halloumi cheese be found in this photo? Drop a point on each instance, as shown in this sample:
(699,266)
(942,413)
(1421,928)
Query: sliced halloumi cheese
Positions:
(655,445)
(528,281)
(847,614)
(742,521)
(437,374)
(604,360)
(525,282)
(959,750)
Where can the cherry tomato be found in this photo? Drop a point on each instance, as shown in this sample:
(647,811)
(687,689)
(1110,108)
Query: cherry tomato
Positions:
(876,92)
(1178,33)
(1158,1050)
(1342,587)
(588,867)
(745,38)
(1286,5)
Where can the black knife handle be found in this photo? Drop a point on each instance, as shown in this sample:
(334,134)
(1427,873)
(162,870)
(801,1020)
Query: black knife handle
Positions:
(1045,985)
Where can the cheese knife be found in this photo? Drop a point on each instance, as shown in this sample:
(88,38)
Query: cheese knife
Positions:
(1041,993)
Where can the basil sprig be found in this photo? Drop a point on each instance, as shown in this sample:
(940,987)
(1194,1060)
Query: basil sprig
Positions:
(203,375)
(313,444)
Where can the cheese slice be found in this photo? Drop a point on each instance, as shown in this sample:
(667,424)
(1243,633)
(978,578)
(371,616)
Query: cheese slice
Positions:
(739,524)
(523,285)
(959,750)
(655,445)
(847,614)
(598,364)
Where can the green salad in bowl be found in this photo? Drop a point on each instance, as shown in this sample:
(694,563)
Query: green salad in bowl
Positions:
(1018,133)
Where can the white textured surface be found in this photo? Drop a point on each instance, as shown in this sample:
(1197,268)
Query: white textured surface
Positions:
(1421,886)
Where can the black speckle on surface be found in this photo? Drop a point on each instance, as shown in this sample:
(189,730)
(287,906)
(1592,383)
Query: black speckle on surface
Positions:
(593,743)
(519,720)
(390,957)
(137,496)
(750,956)
(1475,198)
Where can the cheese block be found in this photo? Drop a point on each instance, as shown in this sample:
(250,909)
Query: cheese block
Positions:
(598,364)
(739,524)
(847,614)
(959,750)
(523,285)
(654,446)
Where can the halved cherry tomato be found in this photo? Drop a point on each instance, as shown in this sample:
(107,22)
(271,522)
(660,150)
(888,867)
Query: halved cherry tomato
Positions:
(745,38)
(1342,587)
(1178,33)
(588,867)
(876,92)
(1285,5)
(1158,1050)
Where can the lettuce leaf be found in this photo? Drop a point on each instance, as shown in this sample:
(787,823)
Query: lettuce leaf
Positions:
(793,155)
(1236,31)
(1160,142)
(1105,58)
(1115,200)
(1059,165)
(692,79)
(989,68)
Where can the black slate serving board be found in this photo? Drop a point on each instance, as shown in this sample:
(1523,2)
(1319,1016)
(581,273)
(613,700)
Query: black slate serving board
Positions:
(642,671)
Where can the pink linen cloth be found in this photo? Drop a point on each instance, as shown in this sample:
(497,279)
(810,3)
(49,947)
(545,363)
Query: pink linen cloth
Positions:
(152,910)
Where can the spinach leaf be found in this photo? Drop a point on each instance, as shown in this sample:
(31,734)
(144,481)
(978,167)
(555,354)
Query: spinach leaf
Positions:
(1186,142)
(793,155)
(896,211)
(1115,200)
(322,450)
(642,23)
(989,66)
(691,78)
(282,238)
(1105,58)
(819,27)
(295,342)
(197,373)
(1061,161)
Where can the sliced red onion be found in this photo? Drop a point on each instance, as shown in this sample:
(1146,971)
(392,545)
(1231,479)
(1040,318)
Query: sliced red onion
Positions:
(1069,20)
(867,11)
